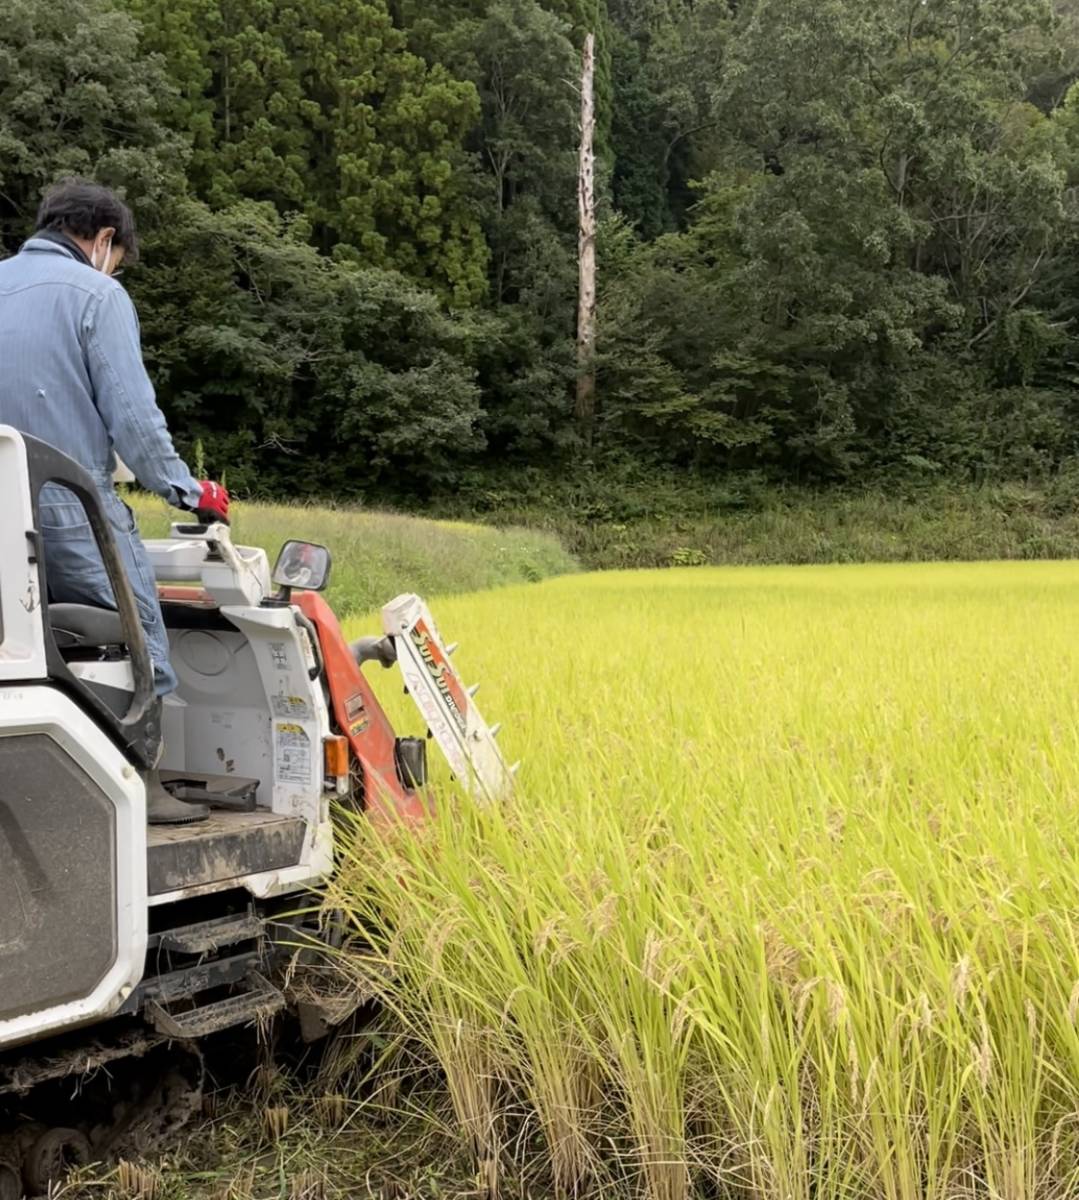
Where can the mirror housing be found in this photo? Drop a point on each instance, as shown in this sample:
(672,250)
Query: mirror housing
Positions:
(304,565)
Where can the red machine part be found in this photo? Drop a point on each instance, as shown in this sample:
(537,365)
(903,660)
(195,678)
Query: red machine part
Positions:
(361,719)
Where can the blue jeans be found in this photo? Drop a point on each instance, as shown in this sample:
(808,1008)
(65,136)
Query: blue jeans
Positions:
(76,574)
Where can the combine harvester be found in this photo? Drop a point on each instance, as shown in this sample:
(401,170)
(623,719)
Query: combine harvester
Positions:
(123,946)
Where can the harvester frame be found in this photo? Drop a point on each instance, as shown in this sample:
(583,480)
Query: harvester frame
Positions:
(121,939)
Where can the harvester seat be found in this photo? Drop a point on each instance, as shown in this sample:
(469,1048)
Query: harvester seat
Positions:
(82,632)
(79,625)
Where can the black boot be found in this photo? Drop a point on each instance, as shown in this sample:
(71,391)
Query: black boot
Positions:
(162,807)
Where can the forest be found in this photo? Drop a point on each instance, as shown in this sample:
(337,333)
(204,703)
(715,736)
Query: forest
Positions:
(837,238)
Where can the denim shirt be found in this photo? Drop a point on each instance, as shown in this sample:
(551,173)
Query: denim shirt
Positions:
(71,371)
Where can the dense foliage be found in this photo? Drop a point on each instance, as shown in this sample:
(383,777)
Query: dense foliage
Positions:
(836,235)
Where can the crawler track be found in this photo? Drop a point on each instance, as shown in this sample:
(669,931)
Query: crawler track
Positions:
(91,1099)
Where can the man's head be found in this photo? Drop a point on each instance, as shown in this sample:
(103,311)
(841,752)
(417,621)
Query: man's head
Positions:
(94,218)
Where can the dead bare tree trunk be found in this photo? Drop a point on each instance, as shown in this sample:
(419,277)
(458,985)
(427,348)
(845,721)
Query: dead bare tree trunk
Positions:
(586,249)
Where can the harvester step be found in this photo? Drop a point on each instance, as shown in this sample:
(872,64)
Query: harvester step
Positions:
(259,1002)
(208,936)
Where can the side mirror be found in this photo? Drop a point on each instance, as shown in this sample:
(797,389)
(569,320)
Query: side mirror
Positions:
(302,565)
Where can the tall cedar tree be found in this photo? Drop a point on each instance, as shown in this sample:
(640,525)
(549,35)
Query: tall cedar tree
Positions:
(318,107)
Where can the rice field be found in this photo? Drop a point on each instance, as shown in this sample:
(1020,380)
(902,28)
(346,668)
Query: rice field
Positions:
(786,904)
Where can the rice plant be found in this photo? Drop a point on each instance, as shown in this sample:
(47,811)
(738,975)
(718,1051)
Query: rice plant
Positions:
(785,906)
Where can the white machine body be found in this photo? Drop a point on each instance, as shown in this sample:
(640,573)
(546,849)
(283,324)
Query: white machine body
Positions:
(249,701)
(22,640)
(102,916)
(34,909)
(79,869)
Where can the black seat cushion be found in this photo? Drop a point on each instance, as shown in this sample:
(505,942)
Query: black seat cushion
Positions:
(84,625)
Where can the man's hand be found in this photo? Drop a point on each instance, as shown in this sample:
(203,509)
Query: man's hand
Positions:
(213,504)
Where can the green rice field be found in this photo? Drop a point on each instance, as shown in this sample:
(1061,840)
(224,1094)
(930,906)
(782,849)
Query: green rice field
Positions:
(785,906)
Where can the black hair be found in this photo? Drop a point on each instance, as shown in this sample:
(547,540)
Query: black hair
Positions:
(82,209)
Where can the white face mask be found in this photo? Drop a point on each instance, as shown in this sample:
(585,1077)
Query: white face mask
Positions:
(103,265)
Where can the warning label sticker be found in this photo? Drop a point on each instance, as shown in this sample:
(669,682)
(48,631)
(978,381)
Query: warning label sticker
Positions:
(356,714)
(293,754)
(291,706)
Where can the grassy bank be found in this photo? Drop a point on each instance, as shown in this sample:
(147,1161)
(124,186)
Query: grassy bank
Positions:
(683,521)
(379,555)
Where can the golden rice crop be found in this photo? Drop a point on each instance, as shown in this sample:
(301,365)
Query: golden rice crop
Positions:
(785,907)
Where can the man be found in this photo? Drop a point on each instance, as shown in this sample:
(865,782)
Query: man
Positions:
(71,373)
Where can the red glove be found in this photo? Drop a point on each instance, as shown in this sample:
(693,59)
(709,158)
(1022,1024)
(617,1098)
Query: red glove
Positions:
(213,505)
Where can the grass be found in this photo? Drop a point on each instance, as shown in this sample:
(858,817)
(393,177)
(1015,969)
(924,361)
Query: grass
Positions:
(676,521)
(785,907)
(379,555)
(294,1144)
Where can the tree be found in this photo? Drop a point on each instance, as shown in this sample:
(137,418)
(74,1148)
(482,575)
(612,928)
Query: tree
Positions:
(886,204)
(930,97)
(77,98)
(522,62)
(300,373)
(290,367)
(667,56)
(591,17)
(586,249)
(835,236)
(318,107)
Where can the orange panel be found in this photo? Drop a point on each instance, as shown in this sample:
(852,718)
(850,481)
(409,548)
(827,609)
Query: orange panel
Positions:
(361,719)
